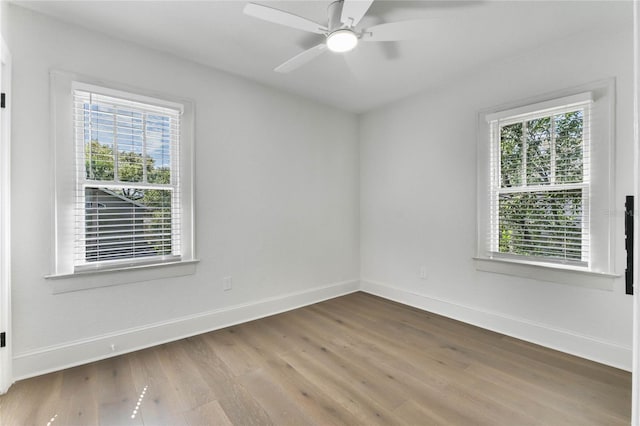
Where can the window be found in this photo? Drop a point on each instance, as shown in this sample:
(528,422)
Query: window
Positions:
(540,184)
(123,183)
(127,196)
(545,186)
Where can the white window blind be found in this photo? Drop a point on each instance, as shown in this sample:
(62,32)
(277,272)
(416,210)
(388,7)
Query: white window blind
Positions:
(540,184)
(127,200)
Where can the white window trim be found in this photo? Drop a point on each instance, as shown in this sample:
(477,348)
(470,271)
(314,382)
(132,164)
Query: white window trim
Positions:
(62,84)
(600,272)
(542,107)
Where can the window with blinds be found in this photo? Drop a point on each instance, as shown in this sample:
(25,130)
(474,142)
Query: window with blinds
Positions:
(127,200)
(540,184)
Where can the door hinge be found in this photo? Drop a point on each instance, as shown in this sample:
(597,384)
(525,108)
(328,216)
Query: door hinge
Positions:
(3,339)
(628,233)
(3,97)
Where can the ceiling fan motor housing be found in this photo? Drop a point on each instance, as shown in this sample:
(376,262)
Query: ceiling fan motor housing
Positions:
(340,39)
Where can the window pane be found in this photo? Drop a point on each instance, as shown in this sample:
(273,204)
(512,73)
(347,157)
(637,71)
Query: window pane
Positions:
(569,147)
(511,155)
(127,223)
(130,145)
(158,131)
(539,151)
(128,204)
(143,140)
(99,161)
(545,223)
(98,143)
(130,166)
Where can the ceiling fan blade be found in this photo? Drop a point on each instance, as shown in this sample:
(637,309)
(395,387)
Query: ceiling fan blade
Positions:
(281,17)
(301,58)
(397,31)
(353,11)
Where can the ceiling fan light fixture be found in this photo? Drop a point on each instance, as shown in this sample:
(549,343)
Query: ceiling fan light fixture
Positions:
(342,41)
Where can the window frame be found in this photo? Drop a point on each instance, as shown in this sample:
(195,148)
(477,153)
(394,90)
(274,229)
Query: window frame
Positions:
(599,272)
(82,182)
(62,86)
(538,110)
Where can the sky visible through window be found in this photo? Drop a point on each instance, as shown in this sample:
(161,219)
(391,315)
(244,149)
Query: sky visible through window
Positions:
(138,134)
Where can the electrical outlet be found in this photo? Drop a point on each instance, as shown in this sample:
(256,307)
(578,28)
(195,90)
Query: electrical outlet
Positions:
(227,283)
(423,273)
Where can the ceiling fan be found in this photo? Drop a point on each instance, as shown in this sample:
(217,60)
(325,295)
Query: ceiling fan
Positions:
(341,32)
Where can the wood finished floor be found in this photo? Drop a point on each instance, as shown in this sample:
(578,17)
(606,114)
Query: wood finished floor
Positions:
(357,359)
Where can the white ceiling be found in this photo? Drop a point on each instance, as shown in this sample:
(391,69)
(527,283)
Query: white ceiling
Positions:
(458,36)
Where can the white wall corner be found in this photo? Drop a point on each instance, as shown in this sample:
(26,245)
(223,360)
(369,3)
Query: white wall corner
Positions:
(598,350)
(53,358)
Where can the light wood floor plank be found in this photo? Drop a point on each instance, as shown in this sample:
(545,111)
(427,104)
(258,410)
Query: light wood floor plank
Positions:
(211,413)
(160,402)
(309,396)
(238,405)
(343,389)
(276,401)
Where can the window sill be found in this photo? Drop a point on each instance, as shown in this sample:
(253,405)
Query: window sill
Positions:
(64,283)
(549,273)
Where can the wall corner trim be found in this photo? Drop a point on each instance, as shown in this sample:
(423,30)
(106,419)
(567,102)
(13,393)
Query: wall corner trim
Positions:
(568,341)
(70,354)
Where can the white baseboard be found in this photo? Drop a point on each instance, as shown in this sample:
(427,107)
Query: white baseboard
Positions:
(53,358)
(581,345)
(70,354)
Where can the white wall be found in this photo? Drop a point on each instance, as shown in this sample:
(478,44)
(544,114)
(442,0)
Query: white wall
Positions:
(276,202)
(418,202)
(4,18)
